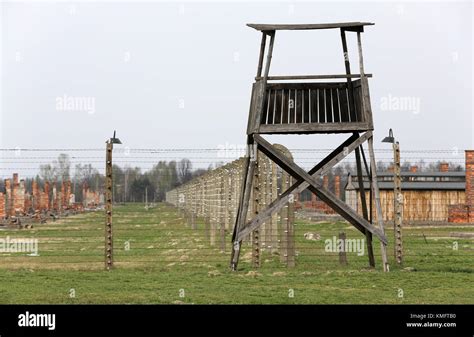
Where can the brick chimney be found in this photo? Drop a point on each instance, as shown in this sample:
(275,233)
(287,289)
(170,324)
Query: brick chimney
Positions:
(45,201)
(326,181)
(444,167)
(413,168)
(67,196)
(55,196)
(337,186)
(2,205)
(36,195)
(8,197)
(470,184)
(15,195)
(19,196)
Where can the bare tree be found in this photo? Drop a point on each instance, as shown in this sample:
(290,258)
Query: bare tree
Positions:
(62,166)
(47,172)
(184,170)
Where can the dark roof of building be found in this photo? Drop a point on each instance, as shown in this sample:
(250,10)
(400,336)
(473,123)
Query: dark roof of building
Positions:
(425,174)
(420,185)
(445,184)
(270,27)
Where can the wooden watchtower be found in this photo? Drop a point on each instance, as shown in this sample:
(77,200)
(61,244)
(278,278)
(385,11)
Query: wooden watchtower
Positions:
(311,104)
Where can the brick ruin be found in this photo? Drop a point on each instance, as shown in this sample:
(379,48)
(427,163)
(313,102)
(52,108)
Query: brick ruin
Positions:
(16,200)
(91,198)
(465,212)
(318,205)
(2,205)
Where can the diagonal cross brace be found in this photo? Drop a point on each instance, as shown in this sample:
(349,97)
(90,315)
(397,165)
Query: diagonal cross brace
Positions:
(316,187)
(332,159)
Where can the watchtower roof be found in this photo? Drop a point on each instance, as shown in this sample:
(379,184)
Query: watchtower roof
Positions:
(347,25)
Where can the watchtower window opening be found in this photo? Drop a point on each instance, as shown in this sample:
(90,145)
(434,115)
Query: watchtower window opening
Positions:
(309,52)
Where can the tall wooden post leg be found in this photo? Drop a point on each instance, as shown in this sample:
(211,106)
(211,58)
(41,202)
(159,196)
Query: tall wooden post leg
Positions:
(378,207)
(249,167)
(370,248)
(368,235)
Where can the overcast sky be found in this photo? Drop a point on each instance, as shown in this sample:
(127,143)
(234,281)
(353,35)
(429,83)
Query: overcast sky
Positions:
(170,75)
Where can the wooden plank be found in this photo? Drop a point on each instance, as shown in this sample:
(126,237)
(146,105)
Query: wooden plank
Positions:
(343,103)
(358,104)
(278,107)
(291,106)
(248,166)
(261,54)
(306,85)
(299,106)
(272,27)
(270,109)
(313,127)
(365,97)
(306,106)
(313,106)
(335,106)
(316,187)
(266,108)
(261,89)
(253,107)
(269,56)
(285,109)
(378,209)
(311,77)
(368,235)
(321,106)
(348,72)
(328,104)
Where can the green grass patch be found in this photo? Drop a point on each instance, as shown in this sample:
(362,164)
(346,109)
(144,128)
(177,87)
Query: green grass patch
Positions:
(159,259)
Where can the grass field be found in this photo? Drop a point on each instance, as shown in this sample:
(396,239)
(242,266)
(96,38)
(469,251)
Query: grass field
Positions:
(158,259)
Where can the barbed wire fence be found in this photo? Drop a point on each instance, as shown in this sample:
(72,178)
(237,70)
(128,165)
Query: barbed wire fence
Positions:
(194,227)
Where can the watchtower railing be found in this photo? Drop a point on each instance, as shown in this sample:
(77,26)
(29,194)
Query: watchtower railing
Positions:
(326,107)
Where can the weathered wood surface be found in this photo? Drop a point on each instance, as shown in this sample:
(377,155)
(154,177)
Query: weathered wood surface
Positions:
(418,205)
(320,169)
(311,77)
(272,27)
(317,188)
(297,103)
